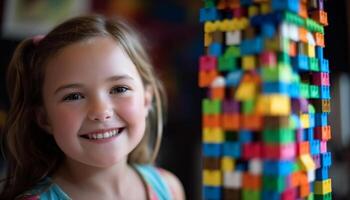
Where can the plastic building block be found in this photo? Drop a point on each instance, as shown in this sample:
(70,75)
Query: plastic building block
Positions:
(251,181)
(268,59)
(252,122)
(311,176)
(322,173)
(274,105)
(276,122)
(323,187)
(248,106)
(252,46)
(232,179)
(227,164)
(306,163)
(212,177)
(303,148)
(233,78)
(319,39)
(233,51)
(215,49)
(279,152)
(245,136)
(246,91)
(208,14)
(300,63)
(314,147)
(232,149)
(325,92)
(281,136)
(217,92)
(230,122)
(317,161)
(233,37)
(213,135)
(323,146)
(277,168)
(275,87)
(326,159)
(210,192)
(206,77)
(207,63)
(304,90)
(294,89)
(212,150)
(314,64)
(227,63)
(209,3)
(320,16)
(285,5)
(255,166)
(327,196)
(323,133)
(322,105)
(211,106)
(212,163)
(250,194)
(273,183)
(230,106)
(248,62)
(211,121)
(319,52)
(251,150)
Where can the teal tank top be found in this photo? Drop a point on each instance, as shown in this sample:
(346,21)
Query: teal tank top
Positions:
(157,188)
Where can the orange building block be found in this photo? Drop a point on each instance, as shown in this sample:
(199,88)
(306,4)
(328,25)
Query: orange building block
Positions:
(295,179)
(252,122)
(217,93)
(319,39)
(323,133)
(230,121)
(233,4)
(206,77)
(211,121)
(221,4)
(303,34)
(251,181)
(320,16)
(303,148)
(303,10)
(292,49)
(304,190)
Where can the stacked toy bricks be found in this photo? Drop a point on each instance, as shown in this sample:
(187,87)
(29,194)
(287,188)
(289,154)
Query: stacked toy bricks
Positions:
(265,128)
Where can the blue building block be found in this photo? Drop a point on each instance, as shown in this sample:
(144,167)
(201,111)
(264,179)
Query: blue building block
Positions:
(241,165)
(294,90)
(208,14)
(322,173)
(252,46)
(246,2)
(326,159)
(312,121)
(283,5)
(277,168)
(319,52)
(233,78)
(232,149)
(275,87)
(300,63)
(245,136)
(321,119)
(324,65)
(268,30)
(212,150)
(270,195)
(308,134)
(211,192)
(325,92)
(314,147)
(215,49)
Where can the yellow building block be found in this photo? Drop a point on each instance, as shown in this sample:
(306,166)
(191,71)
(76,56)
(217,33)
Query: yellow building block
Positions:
(208,39)
(246,91)
(212,177)
(265,8)
(243,23)
(305,121)
(211,26)
(213,135)
(273,105)
(310,50)
(224,25)
(227,164)
(323,187)
(253,10)
(306,163)
(248,62)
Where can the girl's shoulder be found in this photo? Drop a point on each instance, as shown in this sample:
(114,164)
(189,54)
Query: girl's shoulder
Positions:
(44,190)
(161,184)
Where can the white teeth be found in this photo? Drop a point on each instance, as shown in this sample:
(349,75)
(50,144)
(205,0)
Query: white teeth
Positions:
(104,135)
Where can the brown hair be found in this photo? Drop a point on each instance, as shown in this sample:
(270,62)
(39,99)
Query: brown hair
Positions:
(31,154)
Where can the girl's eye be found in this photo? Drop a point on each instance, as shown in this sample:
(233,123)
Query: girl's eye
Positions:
(119,90)
(73,97)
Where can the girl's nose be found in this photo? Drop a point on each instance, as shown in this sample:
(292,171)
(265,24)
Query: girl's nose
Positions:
(100,111)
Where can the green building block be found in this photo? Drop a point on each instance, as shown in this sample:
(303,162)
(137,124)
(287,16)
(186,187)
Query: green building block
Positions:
(209,3)
(314,92)
(311,109)
(233,51)
(327,196)
(250,194)
(211,106)
(294,19)
(283,58)
(227,63)
(304,90)
(313,26)
(280,73)
(313,64)
(248,106)
(274,183)
(279,136)
(310,196)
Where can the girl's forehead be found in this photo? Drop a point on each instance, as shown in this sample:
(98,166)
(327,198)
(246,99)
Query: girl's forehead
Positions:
(97,57)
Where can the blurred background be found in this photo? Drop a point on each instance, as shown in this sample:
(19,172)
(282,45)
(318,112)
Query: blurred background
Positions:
(174,40)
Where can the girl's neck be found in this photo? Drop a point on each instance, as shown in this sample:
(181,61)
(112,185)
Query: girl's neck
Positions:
(73,176)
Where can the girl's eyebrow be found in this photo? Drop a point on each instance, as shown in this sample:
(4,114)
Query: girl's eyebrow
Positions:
(78,85)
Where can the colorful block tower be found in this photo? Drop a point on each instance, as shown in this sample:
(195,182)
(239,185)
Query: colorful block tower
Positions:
(265,127)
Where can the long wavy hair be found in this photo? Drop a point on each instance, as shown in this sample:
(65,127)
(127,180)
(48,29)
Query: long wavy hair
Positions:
(30,153)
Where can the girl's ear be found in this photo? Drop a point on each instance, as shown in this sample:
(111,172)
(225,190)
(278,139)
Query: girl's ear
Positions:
(42,120)
(148,97)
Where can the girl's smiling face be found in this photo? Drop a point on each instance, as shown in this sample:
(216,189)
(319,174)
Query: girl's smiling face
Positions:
(95,104)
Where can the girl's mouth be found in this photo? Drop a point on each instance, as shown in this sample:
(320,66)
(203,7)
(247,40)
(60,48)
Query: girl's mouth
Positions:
(103,134)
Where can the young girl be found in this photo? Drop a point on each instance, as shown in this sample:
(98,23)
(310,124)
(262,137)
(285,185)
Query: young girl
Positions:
(85,102)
